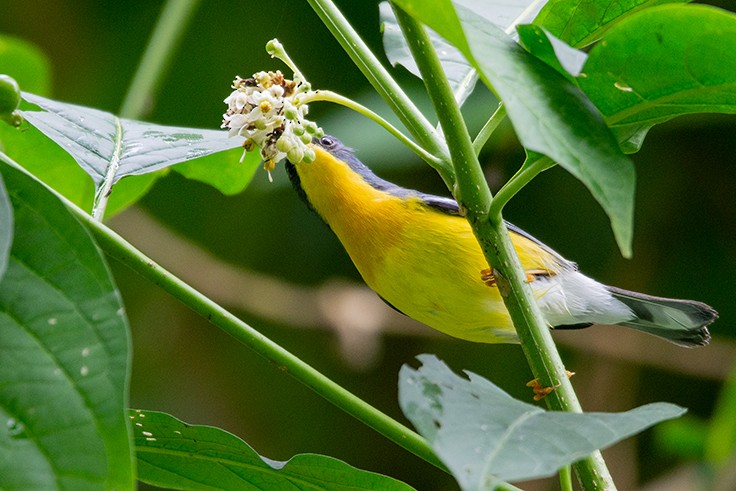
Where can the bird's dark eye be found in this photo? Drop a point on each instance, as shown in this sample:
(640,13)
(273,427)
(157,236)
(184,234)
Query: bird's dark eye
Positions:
(327,141)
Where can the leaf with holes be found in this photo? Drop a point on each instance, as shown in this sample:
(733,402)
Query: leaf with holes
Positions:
(483,434)
(64,348)
(173,454)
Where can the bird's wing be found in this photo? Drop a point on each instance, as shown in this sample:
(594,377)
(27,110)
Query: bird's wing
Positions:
(450,207)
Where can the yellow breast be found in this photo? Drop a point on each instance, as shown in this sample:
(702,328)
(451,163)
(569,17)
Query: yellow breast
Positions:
(424,262)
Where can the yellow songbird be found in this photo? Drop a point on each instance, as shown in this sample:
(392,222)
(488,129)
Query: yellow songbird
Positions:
(418,254)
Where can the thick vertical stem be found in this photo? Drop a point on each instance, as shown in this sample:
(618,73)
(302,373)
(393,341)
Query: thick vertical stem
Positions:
(471,191)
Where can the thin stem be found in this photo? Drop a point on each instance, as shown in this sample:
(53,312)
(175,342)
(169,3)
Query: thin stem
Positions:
(526,173)
(167,34)
(381,80)
(276,50)
(566,478)
(329,96)
(487,130)
(118,248)
(473,193)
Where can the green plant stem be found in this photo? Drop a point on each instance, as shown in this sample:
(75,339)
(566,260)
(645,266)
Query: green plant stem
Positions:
(566,479)
(385,85)
(329,96)
(472,192)
(531,169)
(167,34)
(118,248)
(476,199)
(487,130)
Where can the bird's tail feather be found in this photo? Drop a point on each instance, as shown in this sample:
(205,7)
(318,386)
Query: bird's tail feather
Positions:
(683,322)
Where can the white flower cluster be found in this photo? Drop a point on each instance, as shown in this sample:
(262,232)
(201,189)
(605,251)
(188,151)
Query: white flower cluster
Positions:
(265,109)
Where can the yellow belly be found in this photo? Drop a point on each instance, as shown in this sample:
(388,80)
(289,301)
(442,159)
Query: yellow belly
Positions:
(424,262)
(429,267)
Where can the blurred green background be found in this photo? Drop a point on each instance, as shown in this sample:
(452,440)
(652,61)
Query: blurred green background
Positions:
(264,255)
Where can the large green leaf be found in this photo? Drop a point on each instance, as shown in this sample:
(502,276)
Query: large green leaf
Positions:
(6,227)
(461,74)
(109,148)
(51,164)
(581,22)
(64,347)
(223,170)
(176,455)
(481,433)
(550,115)
(655,66)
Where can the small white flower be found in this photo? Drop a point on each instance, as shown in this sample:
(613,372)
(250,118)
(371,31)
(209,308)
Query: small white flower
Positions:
(266,110)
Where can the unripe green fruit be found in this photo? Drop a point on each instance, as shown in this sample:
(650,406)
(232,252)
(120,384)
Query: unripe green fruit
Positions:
(9,95)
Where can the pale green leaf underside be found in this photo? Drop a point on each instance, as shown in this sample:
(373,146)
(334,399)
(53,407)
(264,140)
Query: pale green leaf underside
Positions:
(480,431)
(65,350)
(459,72)
(173,454)
(109,148)
(461,75)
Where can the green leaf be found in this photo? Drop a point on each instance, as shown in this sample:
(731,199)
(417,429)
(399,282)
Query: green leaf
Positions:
(582,22)
(49,162)
(64,347)
(459,72)
(480,431)
(222,170)
(556,53)
(26,64)
(550,115)
(52,165)
(655,66)
(176,455)
(6,228)
(109,148)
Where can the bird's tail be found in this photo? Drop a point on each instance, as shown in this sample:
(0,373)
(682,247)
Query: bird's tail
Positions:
(683,322)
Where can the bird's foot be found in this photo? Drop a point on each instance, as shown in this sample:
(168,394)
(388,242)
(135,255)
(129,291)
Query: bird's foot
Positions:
(540,392)
(489,278)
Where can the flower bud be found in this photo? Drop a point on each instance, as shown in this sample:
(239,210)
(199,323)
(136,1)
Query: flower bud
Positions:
(283,144)
(296,154)
(309,155)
